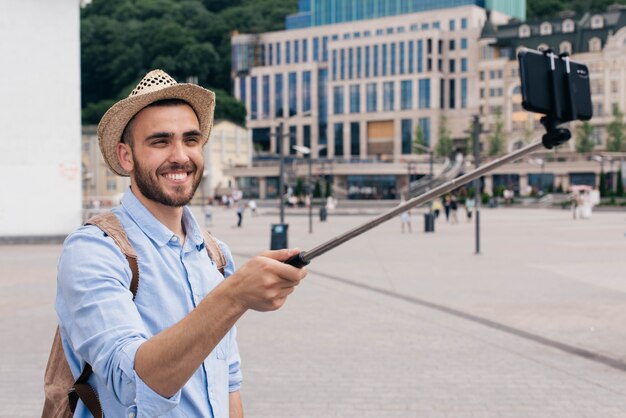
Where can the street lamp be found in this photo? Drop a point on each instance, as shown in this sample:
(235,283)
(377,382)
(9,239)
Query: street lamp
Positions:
(307,151)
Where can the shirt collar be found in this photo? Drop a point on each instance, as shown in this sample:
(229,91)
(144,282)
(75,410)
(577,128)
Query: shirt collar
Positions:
(154,229)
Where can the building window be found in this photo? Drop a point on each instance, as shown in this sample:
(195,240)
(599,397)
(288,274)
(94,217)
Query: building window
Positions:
(293,94)
(270,53)
(597,22)
(296,51)
(242,90)
(410,58)
(350,63)
(565,47)
(355,139)
(452,93)
(407,128)
(452,66)
(393,59)
(420,56)
(568,26)
(278,95)
(338,128)
(325,48)
(355,98)
(384,59)
(367,61)
(464,23)
(266,97)
(463,65)
(306,91)
(288,52)
(463,43)
(253,98)
(305,50)
(335,65)
(424,93)
(293,139)
(424,124)
(595,44)
(524,31)
(316,49)
(451,45)
(406,94)
(545,28)
(359,62)
(338,100)
(375,60)
(306,137)
(452,25)
(342,68)
(277,53)
(402,57)
(322,97)
(371,97)
(388,95)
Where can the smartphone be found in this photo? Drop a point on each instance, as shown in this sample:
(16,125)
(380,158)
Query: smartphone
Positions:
(541,93)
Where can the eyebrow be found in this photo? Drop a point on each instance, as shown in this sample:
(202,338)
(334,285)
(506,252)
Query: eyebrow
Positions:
(158,135)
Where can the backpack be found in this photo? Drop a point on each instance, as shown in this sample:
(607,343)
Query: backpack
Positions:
(61,390)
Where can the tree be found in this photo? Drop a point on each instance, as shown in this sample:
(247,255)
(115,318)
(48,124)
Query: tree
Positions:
(602,186)
(496,139)
(445,145)
(419,142)
(615,131)
(584,140)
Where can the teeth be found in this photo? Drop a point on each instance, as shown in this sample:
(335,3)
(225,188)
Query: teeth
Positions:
(176,176)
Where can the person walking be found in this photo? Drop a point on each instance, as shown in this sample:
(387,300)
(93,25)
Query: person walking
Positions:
(454,206)
(446,206)
(172,350)
(240,209)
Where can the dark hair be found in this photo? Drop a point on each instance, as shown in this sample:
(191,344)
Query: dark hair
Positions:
(127,134)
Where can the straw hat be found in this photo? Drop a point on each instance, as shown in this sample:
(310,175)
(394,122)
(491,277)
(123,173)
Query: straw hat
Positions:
(156,85)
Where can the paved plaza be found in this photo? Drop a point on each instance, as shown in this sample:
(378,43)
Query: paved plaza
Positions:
(398,325)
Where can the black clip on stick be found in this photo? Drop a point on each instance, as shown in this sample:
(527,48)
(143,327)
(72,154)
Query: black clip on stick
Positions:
(554,136)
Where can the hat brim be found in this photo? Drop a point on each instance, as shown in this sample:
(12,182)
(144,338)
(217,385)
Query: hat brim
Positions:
(114,121)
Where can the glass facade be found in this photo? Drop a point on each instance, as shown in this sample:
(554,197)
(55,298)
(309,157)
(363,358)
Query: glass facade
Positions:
(338,128)
(306,91)
(424,93)
(355,98)
(278,95)
(420,56)
(407,133)
(293,94)
(406,94)
(388,95)
(452,93)
(266,97)
(375,61)
(322,98)
(338,100)
(253,98)
(464,93)
(306,136)
(371,97)
(293,139)
(355,139)
(424,124)
(242,90)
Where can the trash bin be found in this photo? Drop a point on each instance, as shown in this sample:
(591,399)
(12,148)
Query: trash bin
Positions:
(279,236)
(323,214)
(429,222)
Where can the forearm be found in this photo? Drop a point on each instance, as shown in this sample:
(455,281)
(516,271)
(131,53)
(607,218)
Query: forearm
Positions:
(166,361)
(235,405)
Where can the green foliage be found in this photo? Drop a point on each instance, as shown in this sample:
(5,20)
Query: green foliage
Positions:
(615,131)
(317,190)
(602,186)
(550,8)
(419,143)
(299,190)
(496,139)
(445,144)
(584,140)
(121,40)
(619,190)
(329,189)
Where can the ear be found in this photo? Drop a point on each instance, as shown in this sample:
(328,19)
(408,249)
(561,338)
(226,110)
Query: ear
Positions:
(125,156)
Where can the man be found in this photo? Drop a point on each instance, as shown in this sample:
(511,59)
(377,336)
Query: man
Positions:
(172,351)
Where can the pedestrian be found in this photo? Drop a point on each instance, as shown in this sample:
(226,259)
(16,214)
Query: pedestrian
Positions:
(208,216)
(446,206)
(454,206)
(436,207)
(252,206)
(405,219)
(172,350)
(469,208)
(240,208)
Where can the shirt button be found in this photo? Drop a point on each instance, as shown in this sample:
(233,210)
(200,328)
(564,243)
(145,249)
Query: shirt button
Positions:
(174,239)
(131,415)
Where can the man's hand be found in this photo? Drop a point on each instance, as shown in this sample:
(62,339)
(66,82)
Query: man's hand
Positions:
(264,282)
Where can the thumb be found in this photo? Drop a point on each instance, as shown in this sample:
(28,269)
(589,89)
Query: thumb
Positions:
(281,255)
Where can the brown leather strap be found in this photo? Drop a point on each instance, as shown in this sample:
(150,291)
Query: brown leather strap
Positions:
(111,226)
(215,252)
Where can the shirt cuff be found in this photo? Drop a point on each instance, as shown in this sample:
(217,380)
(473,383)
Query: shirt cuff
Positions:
(151,404)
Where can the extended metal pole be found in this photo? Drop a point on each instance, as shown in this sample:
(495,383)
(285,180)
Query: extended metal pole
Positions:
(477,194)
(281,175)
(305,257)
(310,195)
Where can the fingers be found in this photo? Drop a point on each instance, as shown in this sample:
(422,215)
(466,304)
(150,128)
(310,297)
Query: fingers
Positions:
(281,255)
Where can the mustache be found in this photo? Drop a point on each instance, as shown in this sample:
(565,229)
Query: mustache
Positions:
(189,166)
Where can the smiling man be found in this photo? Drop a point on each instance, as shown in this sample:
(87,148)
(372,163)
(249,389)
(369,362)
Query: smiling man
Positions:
(171,351)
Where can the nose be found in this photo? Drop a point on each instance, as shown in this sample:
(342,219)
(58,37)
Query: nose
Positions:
(178,153)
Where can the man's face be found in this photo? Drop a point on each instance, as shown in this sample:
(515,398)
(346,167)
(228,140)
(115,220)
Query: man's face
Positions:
(167,154)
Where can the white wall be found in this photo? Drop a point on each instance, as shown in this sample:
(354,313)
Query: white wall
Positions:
(40,179)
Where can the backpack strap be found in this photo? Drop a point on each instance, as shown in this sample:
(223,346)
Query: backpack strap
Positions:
(111,226)
(215,251)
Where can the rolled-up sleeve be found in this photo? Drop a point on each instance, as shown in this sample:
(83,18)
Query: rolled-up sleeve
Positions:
(101,323)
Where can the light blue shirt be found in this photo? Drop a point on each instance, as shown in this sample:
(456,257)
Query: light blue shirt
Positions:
(102,325)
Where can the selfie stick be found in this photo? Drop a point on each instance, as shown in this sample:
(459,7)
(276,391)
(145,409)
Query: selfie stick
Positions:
(305,257)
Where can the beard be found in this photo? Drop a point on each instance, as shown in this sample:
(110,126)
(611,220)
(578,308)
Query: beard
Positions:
(148,183)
